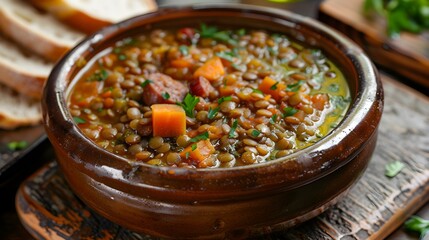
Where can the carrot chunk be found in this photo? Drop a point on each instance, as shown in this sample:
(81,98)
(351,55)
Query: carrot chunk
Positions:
(182,63)
(272,87)
(198,151)
(168,120)
(211,70)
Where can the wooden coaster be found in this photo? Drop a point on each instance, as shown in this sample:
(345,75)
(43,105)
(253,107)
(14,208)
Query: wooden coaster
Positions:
(373,209)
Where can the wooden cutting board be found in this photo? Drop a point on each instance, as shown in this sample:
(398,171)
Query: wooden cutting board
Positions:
(407,55)
(373,209)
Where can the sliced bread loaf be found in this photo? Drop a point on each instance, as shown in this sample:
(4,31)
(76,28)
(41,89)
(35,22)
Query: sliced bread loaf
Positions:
(36,31)
(17,110)
(91,15)
(22,71)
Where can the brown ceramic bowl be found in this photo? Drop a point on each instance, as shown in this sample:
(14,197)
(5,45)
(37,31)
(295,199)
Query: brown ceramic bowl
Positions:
(217,203)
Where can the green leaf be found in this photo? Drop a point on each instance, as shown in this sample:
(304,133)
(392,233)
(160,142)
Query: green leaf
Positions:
(202,136)
(392,169)
(184,50)
(165,95)
(241,32)
(233,128)
(122,57)
(418,224)
(212,32)
(295,87)
(333,87)
(146,82)
(17,145)
(255,133)
(193,147)
(289,111)
(255,90)
(98,75)
(223,99)
(229,56)
(79,120)
(188,104)
(213,112)
(273,119)
(274,86)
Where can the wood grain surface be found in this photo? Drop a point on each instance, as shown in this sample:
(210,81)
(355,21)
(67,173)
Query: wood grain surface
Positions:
(407,55)
(374,207)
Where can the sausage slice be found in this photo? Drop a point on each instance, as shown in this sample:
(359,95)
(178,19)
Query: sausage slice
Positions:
(163,89)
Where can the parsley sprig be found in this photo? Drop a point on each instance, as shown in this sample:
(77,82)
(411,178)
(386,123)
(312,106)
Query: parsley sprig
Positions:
(188,104)
(17,145)
(212,32)
(202,136)
(418,224)
(393,168)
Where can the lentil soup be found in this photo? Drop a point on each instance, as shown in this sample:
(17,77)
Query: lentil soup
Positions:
(208,97)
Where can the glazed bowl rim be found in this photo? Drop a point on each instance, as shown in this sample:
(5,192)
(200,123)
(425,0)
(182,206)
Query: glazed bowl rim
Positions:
(359,108)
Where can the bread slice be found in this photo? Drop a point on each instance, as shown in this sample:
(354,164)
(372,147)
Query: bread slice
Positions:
(22,71)
(36,31)
(91,15)
(17,110)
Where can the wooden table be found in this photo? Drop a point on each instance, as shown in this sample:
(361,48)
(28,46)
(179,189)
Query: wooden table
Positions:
(398,96)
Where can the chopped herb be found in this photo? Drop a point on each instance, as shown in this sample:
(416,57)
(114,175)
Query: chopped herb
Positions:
(117,50)
(289,111)
(273,51)
(212,32)
(393,168)
(239,67)
(339,101)
(255,133)
(165,95)
(229,56)
(79,120)
(202,136)
(188,104)
(99,75)
(241,32)
(274,86)
(187,155)
(418,224)
(184,50)
(223,99)
(122,57)
(333,87)
(213,112)
(146,82)
(130,41)
(295,87)
(193,147)
(17,145)
(255,90)
(233,128)
(273,119)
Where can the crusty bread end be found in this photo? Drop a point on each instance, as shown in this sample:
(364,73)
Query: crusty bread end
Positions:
(17,110)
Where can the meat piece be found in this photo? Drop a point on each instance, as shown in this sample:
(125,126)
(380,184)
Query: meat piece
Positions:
(201,87)
(163,89)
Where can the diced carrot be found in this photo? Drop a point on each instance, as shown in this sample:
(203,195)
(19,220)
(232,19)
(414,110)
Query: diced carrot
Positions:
(168,120)
(272,87)
(226,90)
(182,63)
(201,150)
(106,94)
(319,101)
(108,102)
(211,70)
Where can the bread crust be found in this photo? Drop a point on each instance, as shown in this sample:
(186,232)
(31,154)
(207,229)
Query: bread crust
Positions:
(78,18)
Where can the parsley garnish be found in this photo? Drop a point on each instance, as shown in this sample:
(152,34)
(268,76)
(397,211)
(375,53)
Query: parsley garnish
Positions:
(17,145)
(202,136)
(187,155)
(184,50)
(229,56)
(79,120)
(333,87)
(212,32)
(188,104)
(165,95)
(223,99)
(193,147)
(418,224)
(295,87)
(257,91)
(274,86)
(241,31)
(393,168)
(273,119)
(99,75)
(233,128)
(213,112)
(289,111)
(122,57)
(117,50)
(255,133)
(146,82)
